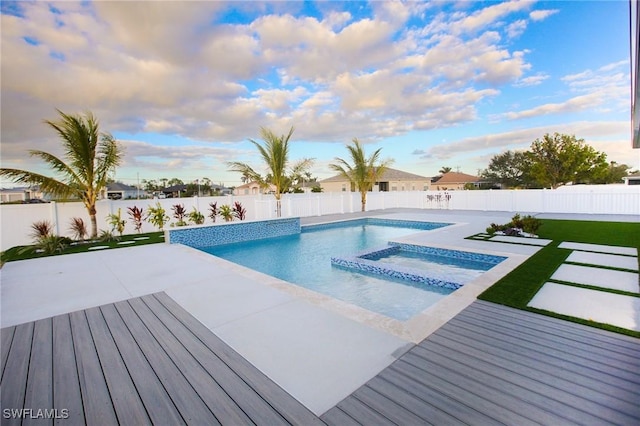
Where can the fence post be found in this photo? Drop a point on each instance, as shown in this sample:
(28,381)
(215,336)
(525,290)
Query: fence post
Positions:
(54,216)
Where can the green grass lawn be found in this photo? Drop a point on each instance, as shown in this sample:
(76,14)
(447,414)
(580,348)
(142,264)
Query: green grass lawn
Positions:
(16,253)
(518,287)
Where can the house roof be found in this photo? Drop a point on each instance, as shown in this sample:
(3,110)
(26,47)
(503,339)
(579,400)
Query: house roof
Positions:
(389,174)
(175,188)
(119,186)
(455,177)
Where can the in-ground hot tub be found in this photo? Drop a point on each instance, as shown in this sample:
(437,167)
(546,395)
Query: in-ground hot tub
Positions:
(420,265)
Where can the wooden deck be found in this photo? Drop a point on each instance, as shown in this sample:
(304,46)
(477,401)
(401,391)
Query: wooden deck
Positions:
(147,361)
(141,361)
(496,365)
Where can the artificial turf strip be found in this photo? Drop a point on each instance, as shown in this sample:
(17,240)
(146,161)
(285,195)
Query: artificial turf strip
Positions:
(518,287)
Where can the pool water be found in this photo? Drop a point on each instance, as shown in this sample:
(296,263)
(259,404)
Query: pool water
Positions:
(457,270)
(305,259)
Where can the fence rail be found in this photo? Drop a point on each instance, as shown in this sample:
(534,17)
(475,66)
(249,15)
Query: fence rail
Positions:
(16,220)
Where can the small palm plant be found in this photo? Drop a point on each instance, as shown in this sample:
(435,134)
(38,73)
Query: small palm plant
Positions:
(226,212)
(45,241)
(41,229)
(78,228)
(116,222)
(157,216)
(213,211)
(179,212)
(137,216)
(239,211)
(196,217)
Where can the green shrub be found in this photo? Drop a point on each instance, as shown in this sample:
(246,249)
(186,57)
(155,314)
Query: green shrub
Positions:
(196,217)
(117,222)
(226,212)
(530,224)
(157,216)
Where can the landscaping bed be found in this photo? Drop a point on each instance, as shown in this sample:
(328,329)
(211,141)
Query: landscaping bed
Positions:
(29,252)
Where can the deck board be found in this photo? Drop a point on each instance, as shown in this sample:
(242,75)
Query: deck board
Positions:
(96,400)
(66,384)
(124,396)
(39,391)
(6,337)
(492,364)
(17,366)
(141,361)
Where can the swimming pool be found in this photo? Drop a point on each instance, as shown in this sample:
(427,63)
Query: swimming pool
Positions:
(304,259)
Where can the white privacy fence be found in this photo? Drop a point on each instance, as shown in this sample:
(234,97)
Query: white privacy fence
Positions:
(16,220)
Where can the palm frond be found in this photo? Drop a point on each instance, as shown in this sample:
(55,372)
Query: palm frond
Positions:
(46,183)
(246,170)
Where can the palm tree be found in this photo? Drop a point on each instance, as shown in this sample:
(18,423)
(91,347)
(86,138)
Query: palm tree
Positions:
(275,154)
(90,156)
(444,170)
(364,172)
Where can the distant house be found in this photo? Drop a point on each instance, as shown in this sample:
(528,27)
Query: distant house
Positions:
(391,180)
(253,188)
(633,179)
(24,193)
(454,181)
(175,191)
(221,190)
(120,191)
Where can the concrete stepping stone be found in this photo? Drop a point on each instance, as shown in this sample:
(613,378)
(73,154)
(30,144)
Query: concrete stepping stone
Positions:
(609,260)
(630,251)
(123,243)
(98,248)
(597,277)
(608,308)
(141,238)
(520,240)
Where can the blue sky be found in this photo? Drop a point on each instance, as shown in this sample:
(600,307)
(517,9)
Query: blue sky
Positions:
(184,85)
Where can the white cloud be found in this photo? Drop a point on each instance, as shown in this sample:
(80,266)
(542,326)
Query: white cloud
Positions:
(533,80)
(164,67)
(522,139)
(515,29)
(539,15)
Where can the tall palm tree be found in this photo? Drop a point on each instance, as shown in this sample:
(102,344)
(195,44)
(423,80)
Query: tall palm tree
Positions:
(444,170)
(275,155)
(364,172)
(90,157)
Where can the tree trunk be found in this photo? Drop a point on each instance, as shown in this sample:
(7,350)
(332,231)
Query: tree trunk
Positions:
(94,222)
(94,226)
(363,200)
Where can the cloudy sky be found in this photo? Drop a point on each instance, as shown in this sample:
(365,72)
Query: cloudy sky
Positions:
(184,84)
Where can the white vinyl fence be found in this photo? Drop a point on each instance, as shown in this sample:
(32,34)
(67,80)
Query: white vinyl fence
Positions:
(16,220)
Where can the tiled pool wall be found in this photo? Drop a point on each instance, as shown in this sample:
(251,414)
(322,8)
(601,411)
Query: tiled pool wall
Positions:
(456,254)
(412,224)
(233,232)
(368,262)
(406,275)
